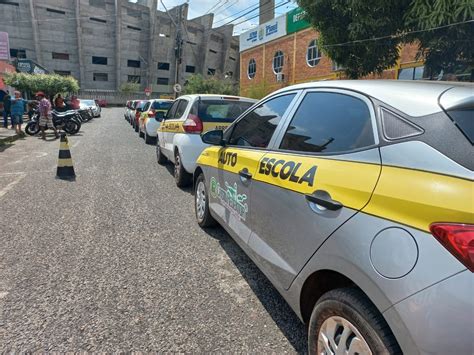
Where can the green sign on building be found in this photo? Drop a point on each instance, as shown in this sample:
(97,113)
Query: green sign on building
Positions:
(295,21)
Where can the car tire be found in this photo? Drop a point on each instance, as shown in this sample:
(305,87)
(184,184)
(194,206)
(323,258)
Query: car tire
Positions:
(161,159)
(135,126)
(140,133)
(148,139)
(201,204)
(181,176)
(348,312)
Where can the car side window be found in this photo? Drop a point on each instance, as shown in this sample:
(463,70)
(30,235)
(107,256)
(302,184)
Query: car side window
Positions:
(172,110)
(181,108)
(256,128)
(146,107)
(329,123)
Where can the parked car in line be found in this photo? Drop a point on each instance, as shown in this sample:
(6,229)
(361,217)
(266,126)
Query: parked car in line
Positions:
(130,111)
(126,111)
(90,105)
(140,105)
(179,134)
(151,117)
(356,200)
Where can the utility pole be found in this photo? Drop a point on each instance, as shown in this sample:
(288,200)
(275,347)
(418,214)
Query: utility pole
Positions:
(178,49)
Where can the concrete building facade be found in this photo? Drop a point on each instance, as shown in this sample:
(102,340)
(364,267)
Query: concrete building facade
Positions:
(105,43)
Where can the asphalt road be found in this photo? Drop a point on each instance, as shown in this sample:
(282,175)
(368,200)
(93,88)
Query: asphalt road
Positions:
(115,260)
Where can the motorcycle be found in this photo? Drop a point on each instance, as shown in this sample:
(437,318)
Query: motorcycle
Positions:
(67,121)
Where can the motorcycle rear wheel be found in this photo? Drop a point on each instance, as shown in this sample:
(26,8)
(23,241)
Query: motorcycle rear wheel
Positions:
(71,127)
(32,128)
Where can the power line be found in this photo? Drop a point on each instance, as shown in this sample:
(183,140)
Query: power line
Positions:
(239,12)
(398,35)
(261,13)
(228,7)
(216,6)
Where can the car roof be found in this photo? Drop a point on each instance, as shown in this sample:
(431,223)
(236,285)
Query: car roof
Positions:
(216,96)
(414,97)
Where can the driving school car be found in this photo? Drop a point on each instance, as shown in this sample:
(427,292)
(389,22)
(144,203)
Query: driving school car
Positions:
(179,134)
(151,117)
(356,199)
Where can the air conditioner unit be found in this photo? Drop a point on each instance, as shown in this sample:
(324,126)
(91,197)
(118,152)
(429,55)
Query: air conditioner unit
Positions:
(280,77)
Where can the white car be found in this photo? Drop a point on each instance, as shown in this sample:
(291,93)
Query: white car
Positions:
(179,139)
(151,117)
(90,105)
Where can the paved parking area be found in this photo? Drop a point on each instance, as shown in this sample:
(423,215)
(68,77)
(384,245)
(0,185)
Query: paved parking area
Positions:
(115,260)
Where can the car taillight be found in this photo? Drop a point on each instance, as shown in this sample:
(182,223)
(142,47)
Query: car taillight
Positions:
(193,124)
(458,239)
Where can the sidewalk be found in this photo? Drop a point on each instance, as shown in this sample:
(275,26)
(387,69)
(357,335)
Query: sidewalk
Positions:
(8,135)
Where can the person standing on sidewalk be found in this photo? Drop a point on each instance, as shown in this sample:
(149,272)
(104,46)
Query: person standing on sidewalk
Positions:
(6,109)
(46,119)
(18,108)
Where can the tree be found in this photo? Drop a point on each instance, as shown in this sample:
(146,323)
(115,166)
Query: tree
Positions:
(130,88)
(50,84)
(364,36)
(197,84)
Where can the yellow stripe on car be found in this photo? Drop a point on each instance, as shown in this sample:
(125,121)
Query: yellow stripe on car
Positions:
(418,198)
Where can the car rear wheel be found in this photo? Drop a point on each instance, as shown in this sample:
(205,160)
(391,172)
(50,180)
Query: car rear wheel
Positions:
(140,133)
(148,139)
(201,204)
(344,321)
(159,155)
(135,126)
(181,176)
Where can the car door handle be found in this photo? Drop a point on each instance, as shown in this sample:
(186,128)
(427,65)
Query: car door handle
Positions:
(245,174)
(323,198)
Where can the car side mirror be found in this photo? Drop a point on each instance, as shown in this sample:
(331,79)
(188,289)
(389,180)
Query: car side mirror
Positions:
(215,137)
(159,116)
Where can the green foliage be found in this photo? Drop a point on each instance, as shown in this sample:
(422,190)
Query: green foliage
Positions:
(444,48)
(50,84)
(197,84)
(130,88)
(258,91)
(343,24)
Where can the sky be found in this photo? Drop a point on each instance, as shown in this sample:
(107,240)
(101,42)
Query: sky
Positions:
(225,8)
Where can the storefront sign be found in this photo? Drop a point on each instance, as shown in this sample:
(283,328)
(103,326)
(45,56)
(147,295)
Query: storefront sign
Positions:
(295,21)
(264,33)
(4,46)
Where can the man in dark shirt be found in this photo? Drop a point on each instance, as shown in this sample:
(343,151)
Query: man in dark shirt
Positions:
(6,109)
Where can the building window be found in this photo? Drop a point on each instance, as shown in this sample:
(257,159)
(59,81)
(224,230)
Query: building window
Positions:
(211,71)
(212,51)
(62,56)
(134,28)
(312,54)
(191,43)
(54,11)
(232,58)
(411,73)
(63,72)
(229,74)
(99,60)
(163,81)
(190,69)
(97,3)
(17,53)
(101,77)
(9,3)
(133,63)
(134,79)
(278,62)
(163,66)
(95,19)
(252,68)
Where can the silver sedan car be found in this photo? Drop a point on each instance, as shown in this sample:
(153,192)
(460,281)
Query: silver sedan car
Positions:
(356,200)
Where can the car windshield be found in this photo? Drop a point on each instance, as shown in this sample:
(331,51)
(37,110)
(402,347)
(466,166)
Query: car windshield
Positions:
(162,105)
(87,103)
(220,110)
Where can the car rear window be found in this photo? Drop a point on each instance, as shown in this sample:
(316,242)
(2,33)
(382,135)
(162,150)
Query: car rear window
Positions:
(464,119)
(161,105)
(219,110)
